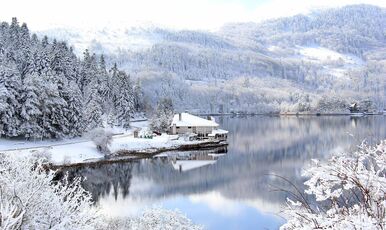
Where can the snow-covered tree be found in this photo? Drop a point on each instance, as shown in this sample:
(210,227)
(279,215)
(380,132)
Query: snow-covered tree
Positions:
(32,199)
(124,102)
(47,92)
(74,109)
(350,192)
(31,112)
(163,115)
(93,111)
(10,87)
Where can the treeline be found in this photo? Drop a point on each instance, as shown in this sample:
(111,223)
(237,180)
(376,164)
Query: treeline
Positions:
(48,92)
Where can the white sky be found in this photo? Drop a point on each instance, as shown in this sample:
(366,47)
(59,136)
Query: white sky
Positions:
(180,14)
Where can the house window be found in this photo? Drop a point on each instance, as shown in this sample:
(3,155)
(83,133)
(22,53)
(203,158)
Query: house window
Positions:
(189,127)
(177,127)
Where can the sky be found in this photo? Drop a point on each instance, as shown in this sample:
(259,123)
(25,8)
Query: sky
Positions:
(178,14)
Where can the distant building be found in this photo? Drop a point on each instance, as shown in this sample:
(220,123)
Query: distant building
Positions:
(185,123)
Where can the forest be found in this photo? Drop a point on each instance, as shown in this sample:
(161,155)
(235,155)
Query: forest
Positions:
(46,91)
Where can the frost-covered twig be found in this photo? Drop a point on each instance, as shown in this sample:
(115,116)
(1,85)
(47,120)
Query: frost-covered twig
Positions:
(350,191)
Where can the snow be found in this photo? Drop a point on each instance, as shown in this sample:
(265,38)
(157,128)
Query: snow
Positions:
(81,150)
(191,120)
(318,53)
(136,144)
(218,131)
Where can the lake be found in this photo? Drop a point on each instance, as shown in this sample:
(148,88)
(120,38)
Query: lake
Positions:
(236,189)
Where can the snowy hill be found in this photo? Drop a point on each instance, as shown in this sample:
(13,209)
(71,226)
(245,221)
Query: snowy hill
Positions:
(244,65)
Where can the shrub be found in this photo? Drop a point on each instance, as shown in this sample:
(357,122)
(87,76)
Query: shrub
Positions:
(101,138)
(350,192)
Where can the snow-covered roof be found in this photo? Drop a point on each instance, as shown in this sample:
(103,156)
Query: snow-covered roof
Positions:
(191,120)
(217,131)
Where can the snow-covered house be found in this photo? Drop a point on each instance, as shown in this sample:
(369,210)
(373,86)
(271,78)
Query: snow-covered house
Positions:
(185,123)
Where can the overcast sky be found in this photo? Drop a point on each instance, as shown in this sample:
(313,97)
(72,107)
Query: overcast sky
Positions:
(180,14)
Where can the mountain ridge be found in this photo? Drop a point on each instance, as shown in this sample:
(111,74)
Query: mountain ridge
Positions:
(274,49)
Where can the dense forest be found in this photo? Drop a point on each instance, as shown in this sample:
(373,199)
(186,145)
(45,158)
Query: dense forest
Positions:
(46,91)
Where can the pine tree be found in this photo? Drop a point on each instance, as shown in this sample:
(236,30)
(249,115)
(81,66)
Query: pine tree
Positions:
(53,109)
(93,110)
(74,113)
(124,99)
(10,85)
(31,125)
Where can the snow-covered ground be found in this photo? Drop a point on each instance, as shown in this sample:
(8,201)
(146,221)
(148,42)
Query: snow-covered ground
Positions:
(318,53)
(79,150)
(333,63)
(76,152)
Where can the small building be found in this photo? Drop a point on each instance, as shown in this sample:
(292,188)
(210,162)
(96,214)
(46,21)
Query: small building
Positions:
(185,123)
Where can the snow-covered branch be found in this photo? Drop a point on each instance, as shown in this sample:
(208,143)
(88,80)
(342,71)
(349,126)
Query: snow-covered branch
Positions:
(350,192)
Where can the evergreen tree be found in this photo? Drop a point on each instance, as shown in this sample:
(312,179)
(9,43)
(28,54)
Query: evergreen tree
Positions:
(31,125)
(74,110)
(93,110)
(124,100)
(53,109)
(10,85)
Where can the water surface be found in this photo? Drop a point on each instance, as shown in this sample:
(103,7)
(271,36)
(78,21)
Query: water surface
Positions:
(235,190)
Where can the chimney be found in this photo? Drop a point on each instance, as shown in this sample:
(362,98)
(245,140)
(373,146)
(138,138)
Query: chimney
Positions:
(179,116)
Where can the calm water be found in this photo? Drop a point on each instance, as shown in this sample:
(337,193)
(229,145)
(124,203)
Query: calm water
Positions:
(233,190)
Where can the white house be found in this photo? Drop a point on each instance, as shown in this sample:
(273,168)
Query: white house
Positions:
(185,123)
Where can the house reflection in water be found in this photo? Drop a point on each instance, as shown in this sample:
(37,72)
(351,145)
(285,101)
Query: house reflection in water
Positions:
(185,161)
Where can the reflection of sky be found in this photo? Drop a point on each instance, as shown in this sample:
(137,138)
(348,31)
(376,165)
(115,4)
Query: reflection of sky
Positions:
(224,214)
(211,210)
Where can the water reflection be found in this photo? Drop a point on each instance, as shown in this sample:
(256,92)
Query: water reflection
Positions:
(221,190)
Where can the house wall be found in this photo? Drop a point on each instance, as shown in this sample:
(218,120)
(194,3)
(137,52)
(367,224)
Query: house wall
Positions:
(198,130)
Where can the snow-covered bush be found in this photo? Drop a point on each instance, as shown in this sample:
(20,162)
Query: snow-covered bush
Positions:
(155,219)
(31,199)
(350,192)
(101,138)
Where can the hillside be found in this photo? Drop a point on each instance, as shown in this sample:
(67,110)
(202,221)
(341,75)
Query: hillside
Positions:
(322,61)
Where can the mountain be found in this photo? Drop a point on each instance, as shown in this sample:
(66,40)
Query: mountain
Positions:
(322,61)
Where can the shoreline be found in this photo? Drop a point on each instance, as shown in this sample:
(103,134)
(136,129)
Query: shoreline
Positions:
(293,114)
(132,155)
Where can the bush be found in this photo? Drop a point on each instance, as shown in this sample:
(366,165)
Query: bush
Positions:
(350,192)
(101,138)
(30,199)
(155,219)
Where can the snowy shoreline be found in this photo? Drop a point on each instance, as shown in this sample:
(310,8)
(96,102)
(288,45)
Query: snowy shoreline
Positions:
(81,151)
(130,155)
